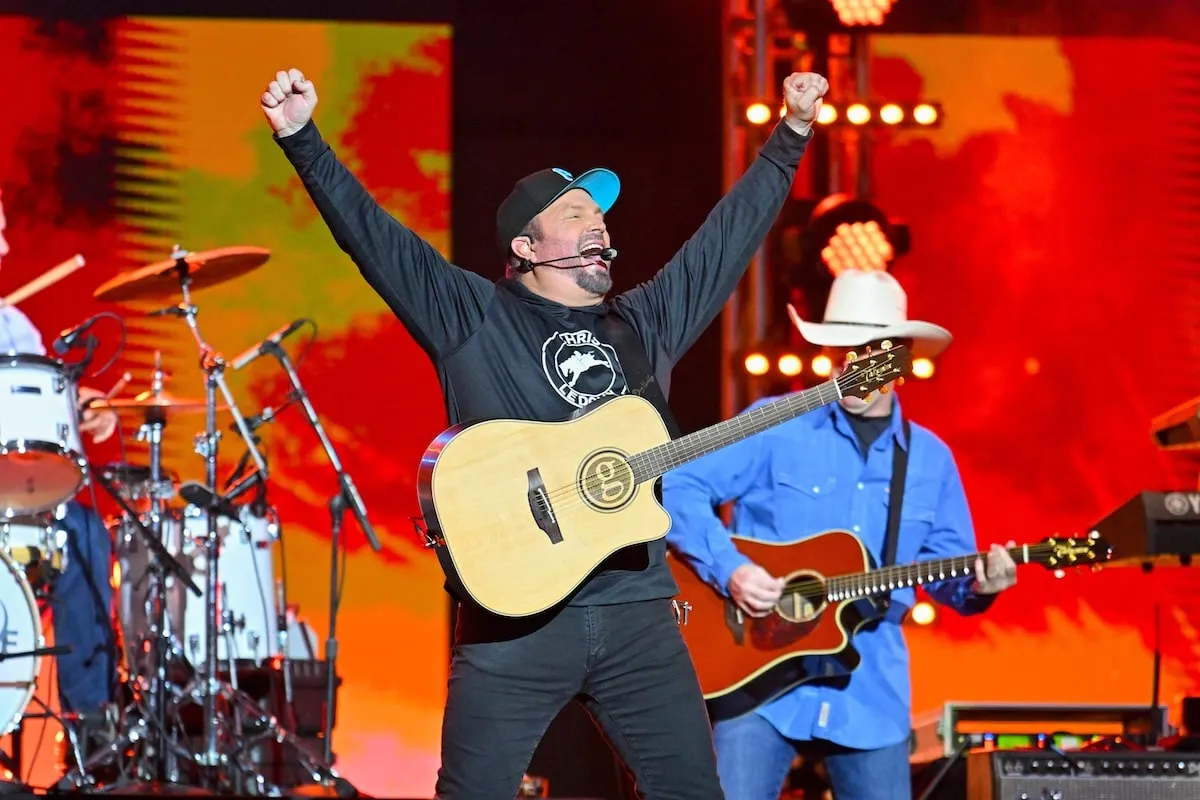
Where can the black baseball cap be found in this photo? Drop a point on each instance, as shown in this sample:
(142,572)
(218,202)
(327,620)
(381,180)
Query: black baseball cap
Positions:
(533,193)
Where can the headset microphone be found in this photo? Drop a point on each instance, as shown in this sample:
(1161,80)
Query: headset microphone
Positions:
(607,253)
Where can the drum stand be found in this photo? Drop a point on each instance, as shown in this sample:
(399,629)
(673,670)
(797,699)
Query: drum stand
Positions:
(154,715)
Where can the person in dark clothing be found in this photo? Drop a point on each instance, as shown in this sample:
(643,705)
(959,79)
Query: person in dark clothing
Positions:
(535,345)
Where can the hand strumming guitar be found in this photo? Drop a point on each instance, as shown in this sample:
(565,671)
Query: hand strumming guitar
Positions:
(289,102)
(755,590)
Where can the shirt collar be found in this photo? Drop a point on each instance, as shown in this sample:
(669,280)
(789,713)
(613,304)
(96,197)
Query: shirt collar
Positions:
(834,414)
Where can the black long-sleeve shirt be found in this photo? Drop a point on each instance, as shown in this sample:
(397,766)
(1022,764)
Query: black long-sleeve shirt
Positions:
(503,352)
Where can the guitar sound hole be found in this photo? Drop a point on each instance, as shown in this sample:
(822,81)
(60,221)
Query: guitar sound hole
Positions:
(606,481)
(803,598)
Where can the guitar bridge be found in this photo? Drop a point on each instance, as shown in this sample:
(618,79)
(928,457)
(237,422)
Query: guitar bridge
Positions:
(540,507)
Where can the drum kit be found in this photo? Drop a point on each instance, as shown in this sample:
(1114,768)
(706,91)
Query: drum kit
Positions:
(197,603)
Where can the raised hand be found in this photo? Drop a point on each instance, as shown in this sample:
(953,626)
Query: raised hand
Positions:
(289,101)
(802,93)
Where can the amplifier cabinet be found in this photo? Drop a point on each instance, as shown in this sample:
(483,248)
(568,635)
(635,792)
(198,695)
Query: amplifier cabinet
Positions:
(1116,775)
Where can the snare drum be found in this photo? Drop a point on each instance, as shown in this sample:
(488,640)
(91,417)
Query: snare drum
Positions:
(42,461)
(20,632)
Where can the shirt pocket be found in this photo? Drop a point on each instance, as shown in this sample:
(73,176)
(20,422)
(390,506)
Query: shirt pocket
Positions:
(805,503)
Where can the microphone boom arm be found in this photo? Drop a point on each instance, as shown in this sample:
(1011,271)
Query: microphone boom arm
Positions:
(346,484)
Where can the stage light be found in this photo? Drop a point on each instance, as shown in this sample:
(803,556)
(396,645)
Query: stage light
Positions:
(923,613)
(844,233)
(757,364)
(862,12)
(822,366)
(790,364)
(859,245)
(858,114)
(758,113)
(925,114)
(882,114)
(891,114)
(922,368)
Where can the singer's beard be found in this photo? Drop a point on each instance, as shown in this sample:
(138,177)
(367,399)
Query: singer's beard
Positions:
(593,279)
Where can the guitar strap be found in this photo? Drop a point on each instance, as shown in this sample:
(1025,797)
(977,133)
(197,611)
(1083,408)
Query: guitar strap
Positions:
(895,499)
(639,376)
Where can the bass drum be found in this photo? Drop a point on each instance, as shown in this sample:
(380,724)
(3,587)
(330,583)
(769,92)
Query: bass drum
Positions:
(20,634)
(246,576)
(246,595)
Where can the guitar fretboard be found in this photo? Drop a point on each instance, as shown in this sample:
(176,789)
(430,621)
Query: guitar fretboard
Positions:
(651,463)
(887,579)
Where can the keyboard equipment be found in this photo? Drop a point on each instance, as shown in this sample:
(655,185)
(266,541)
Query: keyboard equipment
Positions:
(1153,527)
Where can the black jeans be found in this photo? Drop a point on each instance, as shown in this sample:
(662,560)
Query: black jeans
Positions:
(627,664)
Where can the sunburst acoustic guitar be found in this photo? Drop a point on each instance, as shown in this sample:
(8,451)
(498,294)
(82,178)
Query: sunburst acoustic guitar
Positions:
(506,498)
(743,662)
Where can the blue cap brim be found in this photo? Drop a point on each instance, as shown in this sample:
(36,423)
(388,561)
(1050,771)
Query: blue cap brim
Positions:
(602,184)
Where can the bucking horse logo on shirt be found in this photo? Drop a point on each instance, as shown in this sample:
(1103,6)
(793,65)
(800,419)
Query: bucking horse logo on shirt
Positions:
(581,368)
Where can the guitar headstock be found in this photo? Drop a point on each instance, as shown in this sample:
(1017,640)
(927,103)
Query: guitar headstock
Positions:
(1055,552)
(863,374)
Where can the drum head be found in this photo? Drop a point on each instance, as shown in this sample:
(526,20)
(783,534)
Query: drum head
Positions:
(36,478)
(20,632)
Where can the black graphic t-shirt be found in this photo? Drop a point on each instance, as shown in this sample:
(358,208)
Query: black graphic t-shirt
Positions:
(503,352)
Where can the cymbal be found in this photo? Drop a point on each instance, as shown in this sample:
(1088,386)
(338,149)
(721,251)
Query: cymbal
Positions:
(148,400)
(160,281)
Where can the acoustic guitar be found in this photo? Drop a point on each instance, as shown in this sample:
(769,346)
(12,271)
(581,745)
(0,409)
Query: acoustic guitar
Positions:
(743,661)
(507,499)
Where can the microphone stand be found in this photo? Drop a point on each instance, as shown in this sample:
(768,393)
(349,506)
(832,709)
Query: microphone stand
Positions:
(207,445)
(347,495)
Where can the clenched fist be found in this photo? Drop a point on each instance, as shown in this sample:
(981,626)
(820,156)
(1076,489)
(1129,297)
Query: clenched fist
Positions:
(289,101)
(802,93)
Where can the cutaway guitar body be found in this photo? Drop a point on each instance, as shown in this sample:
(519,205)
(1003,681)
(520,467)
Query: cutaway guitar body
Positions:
(743,661)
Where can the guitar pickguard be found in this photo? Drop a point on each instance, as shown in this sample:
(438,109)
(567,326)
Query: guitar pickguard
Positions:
(775,632)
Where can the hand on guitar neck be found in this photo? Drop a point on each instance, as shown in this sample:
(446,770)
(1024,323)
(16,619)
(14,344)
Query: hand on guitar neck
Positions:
(999,573)
(755,590)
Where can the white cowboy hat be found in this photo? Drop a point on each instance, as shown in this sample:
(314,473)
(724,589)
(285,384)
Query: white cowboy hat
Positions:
(867,307)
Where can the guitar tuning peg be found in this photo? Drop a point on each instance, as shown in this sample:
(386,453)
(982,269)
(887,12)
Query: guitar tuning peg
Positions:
(900,381)
(884,389)
(851,356)
(868,349)
(887,344)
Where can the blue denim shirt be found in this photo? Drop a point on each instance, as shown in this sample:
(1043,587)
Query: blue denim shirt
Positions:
(808,476)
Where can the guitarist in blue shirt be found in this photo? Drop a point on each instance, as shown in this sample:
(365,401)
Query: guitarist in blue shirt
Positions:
(832,469)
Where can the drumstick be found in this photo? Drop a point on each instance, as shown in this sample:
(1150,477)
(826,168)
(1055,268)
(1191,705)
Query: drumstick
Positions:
(47,278)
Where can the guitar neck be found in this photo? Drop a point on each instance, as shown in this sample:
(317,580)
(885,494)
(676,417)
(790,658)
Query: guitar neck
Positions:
(886,579)
(650,464)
